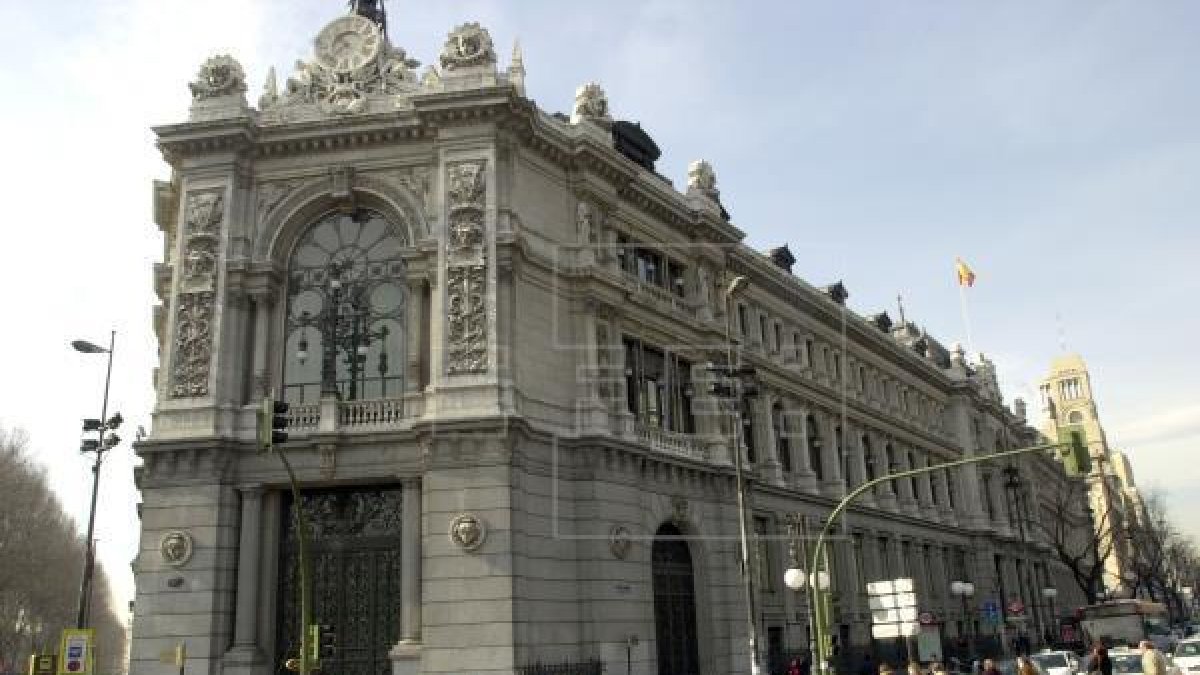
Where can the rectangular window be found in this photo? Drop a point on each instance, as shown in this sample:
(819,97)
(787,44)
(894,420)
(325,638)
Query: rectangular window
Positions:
(743,320)
(658,387)
(950,492)
(762,331)
(860,564)
(778,337)
(625,253)
(885,559)
(837,366)
(808,352)
(649,266)
(748,431)
(675,278)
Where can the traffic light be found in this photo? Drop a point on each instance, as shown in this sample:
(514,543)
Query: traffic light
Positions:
(326,642)
(272,423)
(1074,451)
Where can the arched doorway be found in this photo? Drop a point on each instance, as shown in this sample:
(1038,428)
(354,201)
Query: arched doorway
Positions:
(674,603)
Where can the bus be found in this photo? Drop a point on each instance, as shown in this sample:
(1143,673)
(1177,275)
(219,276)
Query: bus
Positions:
(1126,622)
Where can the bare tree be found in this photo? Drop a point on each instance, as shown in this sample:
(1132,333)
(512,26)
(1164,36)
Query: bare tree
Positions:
(1162,559)
(1080,543)
(41,560)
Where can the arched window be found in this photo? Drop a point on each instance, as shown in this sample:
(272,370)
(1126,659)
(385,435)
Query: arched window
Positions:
(782,445)
(346,298)
(814,448)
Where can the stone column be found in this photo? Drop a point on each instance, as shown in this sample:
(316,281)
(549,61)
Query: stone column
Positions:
(764,435)
(834,484)
(413,317)
(245,650)
(908,499)
(925,488)
(885,494)
(940,488)
(805,478)
(857,459)
(410,561)
(263,304)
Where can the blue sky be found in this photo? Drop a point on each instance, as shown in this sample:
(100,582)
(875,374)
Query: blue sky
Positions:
(1054,145)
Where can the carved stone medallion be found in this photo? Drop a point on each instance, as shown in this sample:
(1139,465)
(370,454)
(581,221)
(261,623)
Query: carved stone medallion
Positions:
(468,531)
(219,76)
(176,548)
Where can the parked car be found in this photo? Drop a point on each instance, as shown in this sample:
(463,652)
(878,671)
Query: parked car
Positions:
(1187,655)
(1056,662)
(1129,662)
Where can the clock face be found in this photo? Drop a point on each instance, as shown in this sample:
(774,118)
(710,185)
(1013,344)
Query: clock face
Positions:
(348,43)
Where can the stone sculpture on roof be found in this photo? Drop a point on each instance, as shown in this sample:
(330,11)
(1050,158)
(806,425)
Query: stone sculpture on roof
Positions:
(591,103)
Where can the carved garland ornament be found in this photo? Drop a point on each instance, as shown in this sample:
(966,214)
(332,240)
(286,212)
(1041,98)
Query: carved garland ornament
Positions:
(466,276)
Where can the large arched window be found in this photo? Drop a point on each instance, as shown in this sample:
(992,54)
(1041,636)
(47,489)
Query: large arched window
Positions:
(346,297)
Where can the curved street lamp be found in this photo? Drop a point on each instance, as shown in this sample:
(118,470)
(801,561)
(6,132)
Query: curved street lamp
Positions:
(103,442)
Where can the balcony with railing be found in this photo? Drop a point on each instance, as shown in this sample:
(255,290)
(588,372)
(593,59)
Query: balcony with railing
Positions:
(379,414)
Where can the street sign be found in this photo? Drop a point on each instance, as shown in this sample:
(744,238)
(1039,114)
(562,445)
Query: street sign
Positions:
(75,657)
(927,619)
(991,610)
(886,631)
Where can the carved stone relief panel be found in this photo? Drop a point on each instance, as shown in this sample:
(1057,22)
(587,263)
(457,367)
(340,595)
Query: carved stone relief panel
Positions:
(466,274)
(204,212)
(192,356)
(466,320)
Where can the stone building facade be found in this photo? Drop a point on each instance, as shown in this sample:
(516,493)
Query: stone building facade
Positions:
(1069,407)
(492,324)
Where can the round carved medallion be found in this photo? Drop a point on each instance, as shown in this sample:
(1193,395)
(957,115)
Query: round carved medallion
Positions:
(348,43)
(176,548)
(468,531)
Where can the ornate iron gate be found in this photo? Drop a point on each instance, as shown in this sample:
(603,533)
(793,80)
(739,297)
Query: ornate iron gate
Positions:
(355,552)
(674,604)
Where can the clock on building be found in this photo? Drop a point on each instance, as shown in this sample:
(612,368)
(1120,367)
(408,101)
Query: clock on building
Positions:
(348,43)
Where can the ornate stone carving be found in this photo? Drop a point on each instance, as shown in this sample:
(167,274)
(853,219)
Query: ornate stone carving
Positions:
(468,531)
(588,220)
(271,194)
(417,180)
(176,548)
(353,61)
(591,103)
(205,211)
(465,184)
(200,261)
(219,76)
(466,231)
(466,320)
(679,510)
(468,45)
(193,344)
(703,180)
(619,542)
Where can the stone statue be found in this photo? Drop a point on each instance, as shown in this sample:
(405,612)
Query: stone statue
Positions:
(703,180)
(468,45)
(590,104)
(219,76)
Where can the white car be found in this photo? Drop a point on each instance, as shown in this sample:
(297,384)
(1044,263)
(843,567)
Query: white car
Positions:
(1187,655)
(1056,662)
(1129,662)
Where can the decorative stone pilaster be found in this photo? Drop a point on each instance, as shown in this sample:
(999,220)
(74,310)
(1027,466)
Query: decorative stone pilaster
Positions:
(194,304)
(834,484)
(764,433)
(806,477)
(467,327)
(246,651)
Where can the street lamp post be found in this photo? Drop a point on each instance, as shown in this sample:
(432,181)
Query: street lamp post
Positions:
(963,590)
(99,445)
(734,387)
(797,579)
(1013,484)
(1050,594)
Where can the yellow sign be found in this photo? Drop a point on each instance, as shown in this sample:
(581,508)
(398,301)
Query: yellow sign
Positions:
(75,654)
(43,664)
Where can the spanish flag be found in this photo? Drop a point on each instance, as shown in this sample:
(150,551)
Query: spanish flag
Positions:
(966,276)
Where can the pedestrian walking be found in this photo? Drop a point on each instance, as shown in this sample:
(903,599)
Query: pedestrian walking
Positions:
(1153,661)
(989,668)
(1099,663)
(1025,666)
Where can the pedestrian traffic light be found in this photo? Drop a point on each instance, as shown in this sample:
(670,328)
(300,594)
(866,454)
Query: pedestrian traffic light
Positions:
(272,423)
(326,642)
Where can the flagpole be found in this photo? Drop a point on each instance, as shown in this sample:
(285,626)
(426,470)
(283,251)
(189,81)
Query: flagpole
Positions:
(962,301)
